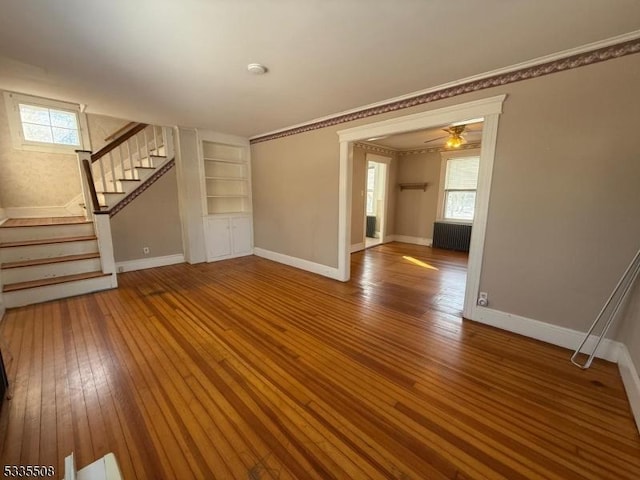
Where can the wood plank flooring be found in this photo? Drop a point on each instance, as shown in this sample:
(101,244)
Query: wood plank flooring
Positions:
(249,369)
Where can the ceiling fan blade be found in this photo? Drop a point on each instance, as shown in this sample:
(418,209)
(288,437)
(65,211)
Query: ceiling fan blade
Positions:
(434,139)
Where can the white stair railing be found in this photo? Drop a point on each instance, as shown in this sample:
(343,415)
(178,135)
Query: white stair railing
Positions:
(122,159)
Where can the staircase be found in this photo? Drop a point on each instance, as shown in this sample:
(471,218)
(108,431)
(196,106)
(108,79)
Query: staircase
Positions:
(44,259)
(121,167)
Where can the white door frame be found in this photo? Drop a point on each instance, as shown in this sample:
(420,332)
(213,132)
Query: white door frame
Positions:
(386,161)
(488,108)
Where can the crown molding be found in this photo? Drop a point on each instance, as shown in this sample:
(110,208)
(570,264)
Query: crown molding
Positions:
(370,147)
(596,52)
(419,151)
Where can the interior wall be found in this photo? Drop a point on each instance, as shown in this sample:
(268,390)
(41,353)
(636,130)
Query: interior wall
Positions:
(101,127)
(151,220)
(564,213)
(358,197)
(628,331)
(295,196)
(416,210)
(38,179)
(34,179)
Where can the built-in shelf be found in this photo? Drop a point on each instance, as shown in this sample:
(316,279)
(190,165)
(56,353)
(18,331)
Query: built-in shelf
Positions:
(413,186)
(227,196)
(226,178)
(222,160)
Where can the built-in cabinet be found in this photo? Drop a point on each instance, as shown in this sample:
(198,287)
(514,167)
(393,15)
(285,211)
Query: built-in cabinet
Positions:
(226,178)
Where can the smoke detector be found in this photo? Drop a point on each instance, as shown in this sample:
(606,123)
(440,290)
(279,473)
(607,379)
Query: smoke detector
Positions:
(256,69)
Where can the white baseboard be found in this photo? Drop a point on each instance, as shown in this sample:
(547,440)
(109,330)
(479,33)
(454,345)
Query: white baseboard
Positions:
(3,215)
(546,332)
(356,247)
(312,267)
(631,382)
(143,263)
(414,240)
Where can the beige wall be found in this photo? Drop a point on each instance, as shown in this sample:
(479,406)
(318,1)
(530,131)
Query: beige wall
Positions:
(564,214)
(416,210)
(628,328)
(295,196)
(358,197)
(101,127)
(34,179)
(37,179)
(151,220)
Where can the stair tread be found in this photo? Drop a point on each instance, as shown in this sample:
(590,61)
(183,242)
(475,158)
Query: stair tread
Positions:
(47,261)
(12,287)
(111,193)
(128,179)
(147,168)
(45,241)
(44,222)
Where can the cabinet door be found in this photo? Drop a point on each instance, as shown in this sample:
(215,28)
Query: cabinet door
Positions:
(241,235)
(218,238)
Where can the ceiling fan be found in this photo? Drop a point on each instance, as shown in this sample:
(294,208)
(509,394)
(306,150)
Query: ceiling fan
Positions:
(454,137)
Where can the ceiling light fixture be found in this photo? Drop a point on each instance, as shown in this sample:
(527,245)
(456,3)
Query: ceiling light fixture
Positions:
(455,139)
(256,69)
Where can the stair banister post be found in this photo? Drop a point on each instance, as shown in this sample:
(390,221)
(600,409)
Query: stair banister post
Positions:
(167,134)
(102,224)
(86,193)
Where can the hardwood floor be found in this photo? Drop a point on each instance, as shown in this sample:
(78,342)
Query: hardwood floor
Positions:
(249,369)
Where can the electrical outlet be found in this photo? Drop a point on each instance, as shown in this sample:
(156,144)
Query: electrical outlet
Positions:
(483,299)
(145,250)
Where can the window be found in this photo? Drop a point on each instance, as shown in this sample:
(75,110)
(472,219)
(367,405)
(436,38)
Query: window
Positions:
(371,186)
(45,125)
(460,184)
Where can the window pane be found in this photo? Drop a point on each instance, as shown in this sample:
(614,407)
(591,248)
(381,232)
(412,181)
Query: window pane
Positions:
(371,179)
(462,173)
(33,114)
(60,118)
(369,203)
(37,133)
(65,136)
(459,205)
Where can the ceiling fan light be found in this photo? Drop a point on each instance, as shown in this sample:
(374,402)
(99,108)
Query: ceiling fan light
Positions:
(454,141)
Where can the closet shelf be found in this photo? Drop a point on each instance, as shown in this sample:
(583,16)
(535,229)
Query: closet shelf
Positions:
(413,186)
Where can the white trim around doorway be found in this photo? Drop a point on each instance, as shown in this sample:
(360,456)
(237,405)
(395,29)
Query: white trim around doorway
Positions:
(488,108)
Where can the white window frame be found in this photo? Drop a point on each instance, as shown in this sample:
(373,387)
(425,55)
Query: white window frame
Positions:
(12,101)
(445,156)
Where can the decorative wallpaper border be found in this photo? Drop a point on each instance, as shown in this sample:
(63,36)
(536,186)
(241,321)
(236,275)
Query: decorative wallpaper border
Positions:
(418,151)
(415,151)
(147,183)
(376,148)
(574,61)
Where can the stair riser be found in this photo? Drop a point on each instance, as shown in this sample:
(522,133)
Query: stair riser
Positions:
(59,269)
(110,198)
(53,292)
(16,234)
(50,250)
(142,175)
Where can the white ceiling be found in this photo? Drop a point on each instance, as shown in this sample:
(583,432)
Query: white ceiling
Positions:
(431,138)
(184,62)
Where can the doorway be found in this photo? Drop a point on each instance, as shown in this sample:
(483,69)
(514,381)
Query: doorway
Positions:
(489,109)
(375,218)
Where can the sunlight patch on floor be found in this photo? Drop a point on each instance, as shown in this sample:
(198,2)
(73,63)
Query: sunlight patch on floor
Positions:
(420,263)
